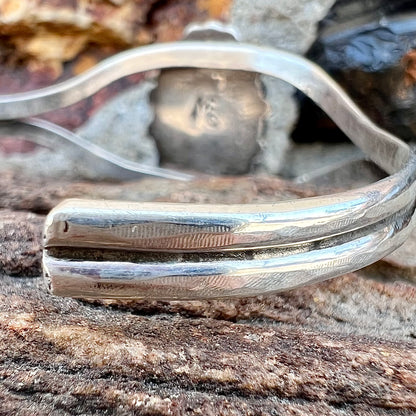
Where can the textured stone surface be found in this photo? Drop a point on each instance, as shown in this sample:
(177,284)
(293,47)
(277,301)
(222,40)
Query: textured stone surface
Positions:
(121,126)
(20,243)
(369,47)
(330,166)
(343,347)
(309,157)
(22,193)
(62,356)
(53,32)
(96,30)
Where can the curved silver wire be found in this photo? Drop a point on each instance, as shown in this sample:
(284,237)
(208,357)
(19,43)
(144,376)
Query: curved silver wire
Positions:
(292,242)
(128,167)
(47,134)
(390,154)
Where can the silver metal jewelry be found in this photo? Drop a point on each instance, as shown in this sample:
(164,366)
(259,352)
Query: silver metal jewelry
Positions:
(186,251)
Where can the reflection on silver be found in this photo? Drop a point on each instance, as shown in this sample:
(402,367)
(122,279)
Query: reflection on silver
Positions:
(176,251)
(265,272)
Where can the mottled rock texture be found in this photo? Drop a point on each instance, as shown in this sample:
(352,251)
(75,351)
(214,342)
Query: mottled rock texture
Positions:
(343,347)
(57,31)
(48,41)
(45,42)
(369,48)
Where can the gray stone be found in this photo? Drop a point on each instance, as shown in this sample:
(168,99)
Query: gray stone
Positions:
(121,126)
(48,161)
(305,158)
(208,120)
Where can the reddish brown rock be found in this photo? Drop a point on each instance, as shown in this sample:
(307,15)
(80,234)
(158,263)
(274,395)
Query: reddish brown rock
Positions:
(44,42)
(20,243)
(53,32)
(342,347)
(61,354)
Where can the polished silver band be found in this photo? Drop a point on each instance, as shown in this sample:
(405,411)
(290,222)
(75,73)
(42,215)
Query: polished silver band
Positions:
(243,249)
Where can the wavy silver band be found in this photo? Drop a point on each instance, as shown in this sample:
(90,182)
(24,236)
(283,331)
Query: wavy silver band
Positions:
(245,249)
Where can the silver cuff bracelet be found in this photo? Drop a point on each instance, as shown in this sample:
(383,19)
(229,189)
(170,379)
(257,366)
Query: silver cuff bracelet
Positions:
(186,251)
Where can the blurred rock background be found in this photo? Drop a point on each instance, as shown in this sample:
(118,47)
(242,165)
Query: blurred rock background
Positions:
(368,46)
(44,42)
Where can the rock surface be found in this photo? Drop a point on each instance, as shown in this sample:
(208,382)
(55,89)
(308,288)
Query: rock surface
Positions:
(46,42)
(121,126)
(369,47)
(342,347)
(54,32)
(95,30)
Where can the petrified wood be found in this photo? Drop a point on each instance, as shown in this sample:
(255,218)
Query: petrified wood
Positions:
(342,347)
